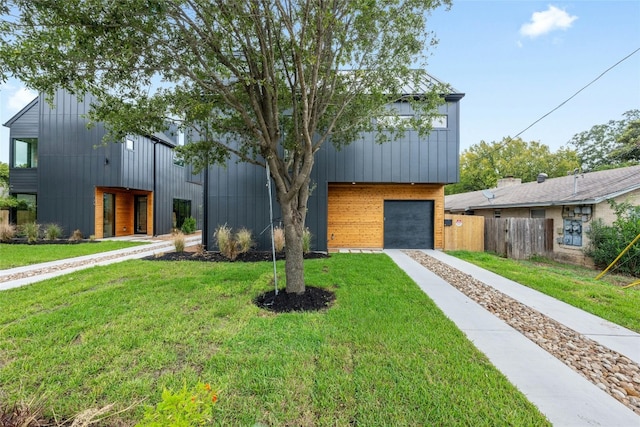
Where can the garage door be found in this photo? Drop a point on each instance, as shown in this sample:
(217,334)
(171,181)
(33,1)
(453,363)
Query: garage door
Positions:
(408,224)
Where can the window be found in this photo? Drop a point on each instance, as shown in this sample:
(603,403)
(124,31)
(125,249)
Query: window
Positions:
(439,122)
(538,213)
(497,213)
(181,211)
(177,160)
(26,211)
(129,144)
(25,153)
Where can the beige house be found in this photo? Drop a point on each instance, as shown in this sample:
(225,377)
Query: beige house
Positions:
(572,201)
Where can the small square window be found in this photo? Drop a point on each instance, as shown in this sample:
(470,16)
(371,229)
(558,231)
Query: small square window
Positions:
(129,144)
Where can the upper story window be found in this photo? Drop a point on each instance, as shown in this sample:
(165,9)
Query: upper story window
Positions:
(25,153)
(129,144)
(437,122)
(177,160)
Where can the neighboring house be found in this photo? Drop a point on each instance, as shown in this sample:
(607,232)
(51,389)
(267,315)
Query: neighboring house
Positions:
(73,179)
(366,195)
(572,201)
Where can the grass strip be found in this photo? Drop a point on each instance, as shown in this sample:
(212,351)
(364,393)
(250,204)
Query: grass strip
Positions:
(384,354)
(572,284)
(12,255)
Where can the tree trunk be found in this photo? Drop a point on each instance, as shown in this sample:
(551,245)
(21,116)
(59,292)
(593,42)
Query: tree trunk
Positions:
(293,218)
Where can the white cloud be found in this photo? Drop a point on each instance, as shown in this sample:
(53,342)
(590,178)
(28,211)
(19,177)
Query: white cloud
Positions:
(20,98)
(545,22)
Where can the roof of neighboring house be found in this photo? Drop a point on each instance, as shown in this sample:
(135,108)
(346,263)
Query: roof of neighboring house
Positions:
(590,188)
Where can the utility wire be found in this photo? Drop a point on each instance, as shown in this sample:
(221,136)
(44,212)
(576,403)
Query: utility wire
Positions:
(574,95)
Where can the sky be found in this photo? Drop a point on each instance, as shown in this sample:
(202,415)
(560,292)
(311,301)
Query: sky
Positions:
(515,61)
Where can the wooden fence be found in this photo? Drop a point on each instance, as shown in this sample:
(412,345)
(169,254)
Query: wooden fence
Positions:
(464,232)
(518,238)
(4,217)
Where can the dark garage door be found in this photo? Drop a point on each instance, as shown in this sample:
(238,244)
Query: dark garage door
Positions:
(408,224)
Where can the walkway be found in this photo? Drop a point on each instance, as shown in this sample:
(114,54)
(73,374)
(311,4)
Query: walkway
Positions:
(562,395)
(20,276)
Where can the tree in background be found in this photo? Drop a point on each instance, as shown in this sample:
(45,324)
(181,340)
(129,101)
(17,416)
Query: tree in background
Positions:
(482,164)
(611,145)
(4,176)
(265,81)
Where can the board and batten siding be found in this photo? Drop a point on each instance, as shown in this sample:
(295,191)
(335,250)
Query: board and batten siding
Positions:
(356,212)
(238,194)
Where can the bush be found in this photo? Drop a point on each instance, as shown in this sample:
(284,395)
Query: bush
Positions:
(7,232)
(607,242)
(189,225)
(52,231)
(76,236)
(31,230)
(179,242)
(306,241)
(224,241)
(278,239)
(244,241)
(183,408)
(231,245)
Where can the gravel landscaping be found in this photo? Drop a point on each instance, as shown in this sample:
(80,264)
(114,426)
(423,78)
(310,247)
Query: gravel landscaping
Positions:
(609,370)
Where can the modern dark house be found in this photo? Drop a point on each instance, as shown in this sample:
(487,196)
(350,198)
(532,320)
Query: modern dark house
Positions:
(367,195)
(73,179)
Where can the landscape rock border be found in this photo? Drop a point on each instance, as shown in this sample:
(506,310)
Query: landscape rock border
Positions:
(611,371)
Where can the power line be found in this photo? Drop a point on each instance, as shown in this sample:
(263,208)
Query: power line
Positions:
(574,95)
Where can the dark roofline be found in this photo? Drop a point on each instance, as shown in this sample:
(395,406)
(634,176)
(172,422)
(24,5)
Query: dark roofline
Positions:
(21,112)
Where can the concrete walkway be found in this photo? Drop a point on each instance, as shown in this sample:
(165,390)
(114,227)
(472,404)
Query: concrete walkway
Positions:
(37,272)
(562,395)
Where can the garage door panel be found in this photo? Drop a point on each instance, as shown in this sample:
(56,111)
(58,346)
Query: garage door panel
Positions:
(408,224)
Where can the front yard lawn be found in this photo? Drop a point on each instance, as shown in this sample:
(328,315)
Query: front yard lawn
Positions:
(572,284)
(12,255)
(384,354)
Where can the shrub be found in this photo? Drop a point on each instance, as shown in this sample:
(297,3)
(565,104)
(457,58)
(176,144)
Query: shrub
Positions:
(306,241)
(224,240)
(183,408)
(179,242)
(244,241)
(231,245)
(278,239)
(7,232)
(31,230)
(189,225)
(607,242)
(76,236)
(52,231)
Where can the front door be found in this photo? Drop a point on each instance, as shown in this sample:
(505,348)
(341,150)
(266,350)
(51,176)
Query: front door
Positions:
(109,214)
(140,214)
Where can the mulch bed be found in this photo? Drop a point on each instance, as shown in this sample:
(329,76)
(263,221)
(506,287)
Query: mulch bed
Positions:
(313,299)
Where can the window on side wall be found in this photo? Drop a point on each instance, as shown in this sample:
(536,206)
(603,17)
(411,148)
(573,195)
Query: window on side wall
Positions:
(26,211)
(129,144)
(538,213)
(25,153)
(181,211)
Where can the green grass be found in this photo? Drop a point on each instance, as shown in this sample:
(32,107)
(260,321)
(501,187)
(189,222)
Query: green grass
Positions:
(574,285)
(19,255)
(384,354)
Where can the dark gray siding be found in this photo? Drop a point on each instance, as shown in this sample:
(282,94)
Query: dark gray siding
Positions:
(72,161)
(171,184)
(238,193)
(24,125)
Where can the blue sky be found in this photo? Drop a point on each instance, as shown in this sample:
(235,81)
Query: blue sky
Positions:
(515,61)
